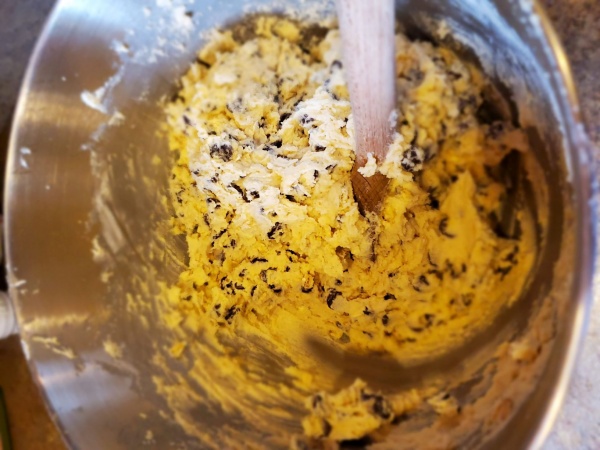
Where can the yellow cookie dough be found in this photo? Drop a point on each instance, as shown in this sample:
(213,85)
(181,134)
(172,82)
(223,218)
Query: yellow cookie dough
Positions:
(262,130)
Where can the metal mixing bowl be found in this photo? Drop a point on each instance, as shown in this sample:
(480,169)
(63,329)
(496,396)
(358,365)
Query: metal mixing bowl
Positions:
(83,203)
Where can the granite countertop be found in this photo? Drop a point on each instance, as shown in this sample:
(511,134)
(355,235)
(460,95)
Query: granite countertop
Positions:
(577,23)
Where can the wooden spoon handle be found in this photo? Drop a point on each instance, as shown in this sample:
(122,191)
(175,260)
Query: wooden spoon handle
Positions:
(367,29)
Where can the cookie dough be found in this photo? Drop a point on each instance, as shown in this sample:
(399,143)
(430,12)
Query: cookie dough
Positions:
(262,130)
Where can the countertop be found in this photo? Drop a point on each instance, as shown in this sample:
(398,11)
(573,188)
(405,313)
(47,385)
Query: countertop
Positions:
(577,23)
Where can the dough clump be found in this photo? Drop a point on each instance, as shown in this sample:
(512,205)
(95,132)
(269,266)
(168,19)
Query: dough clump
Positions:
(262,131)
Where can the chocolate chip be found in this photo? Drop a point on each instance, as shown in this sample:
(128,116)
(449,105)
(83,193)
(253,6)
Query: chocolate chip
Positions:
(450,268)
(326,428)
(219,234)
(381,408)
(453,75)
(331,297)
(316,400)
(263,275)
(284,117)
(439,275)
(428,319)
(274,229)
(465,102)
(503,271)
(357,444)
(241,192)
(258,259)
(202,62)
(231,312)
(223,151)
(305,119)
(176,97)
(443,227)
(292,255)
(495,130)
(416,75)
(430,260)
(433,202)
(411,160)
(282,156)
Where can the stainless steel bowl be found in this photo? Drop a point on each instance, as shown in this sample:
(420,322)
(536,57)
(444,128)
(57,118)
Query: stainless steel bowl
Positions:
(83,206)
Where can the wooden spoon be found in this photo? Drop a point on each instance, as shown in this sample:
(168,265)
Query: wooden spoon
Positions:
(367,29)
